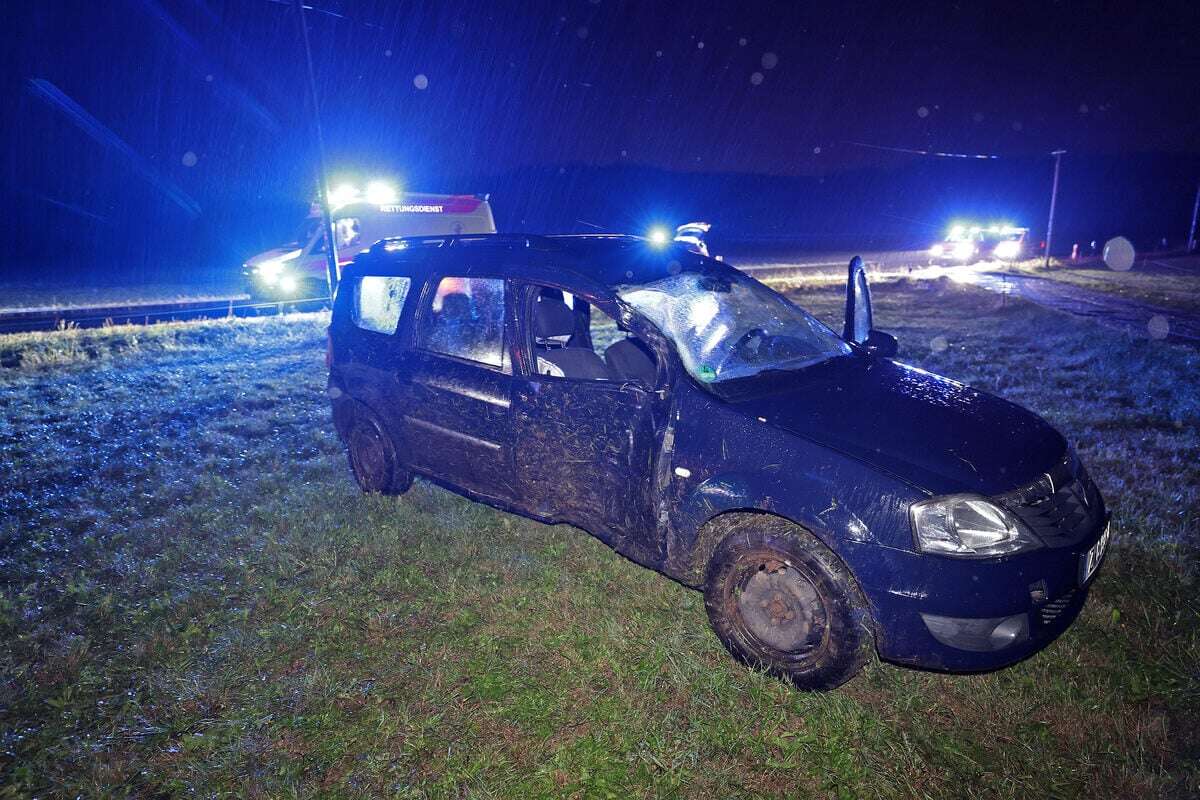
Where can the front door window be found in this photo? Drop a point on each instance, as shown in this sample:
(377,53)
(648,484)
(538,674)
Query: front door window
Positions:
(572,338)
(584,421)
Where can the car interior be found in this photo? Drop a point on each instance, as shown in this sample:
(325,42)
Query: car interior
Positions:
(567,338)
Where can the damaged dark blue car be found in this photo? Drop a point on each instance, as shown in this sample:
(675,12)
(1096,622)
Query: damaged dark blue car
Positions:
(829,500)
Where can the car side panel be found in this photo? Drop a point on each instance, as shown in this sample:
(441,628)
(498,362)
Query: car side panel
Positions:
(457,423)
(733,462)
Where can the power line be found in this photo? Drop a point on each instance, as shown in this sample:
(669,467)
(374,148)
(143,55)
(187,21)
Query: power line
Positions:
(934,153)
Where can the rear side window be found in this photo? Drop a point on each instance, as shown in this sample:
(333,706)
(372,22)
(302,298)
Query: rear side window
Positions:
(378,301)
(466,320)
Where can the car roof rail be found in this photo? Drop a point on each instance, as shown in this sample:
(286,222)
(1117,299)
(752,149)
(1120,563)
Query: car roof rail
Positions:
(394,244)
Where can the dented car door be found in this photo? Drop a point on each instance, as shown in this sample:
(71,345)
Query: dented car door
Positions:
(584,450)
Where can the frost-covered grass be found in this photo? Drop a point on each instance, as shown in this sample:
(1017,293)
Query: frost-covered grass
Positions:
(195,600)
(80,346)
(49,296)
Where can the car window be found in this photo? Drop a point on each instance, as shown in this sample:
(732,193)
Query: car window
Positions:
(465,319)
(378,301)
(575,339)
(349,232)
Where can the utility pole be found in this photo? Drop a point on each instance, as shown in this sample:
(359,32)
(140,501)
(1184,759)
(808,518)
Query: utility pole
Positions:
(331,259)
(1058,154)
(1191,246)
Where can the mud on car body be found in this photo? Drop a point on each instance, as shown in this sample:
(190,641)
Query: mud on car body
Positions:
(828,499)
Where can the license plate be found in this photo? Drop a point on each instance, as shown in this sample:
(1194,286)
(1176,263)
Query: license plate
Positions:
(1090,560)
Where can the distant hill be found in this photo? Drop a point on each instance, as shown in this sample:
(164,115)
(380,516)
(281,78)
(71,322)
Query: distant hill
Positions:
(139,237)
(1143,196)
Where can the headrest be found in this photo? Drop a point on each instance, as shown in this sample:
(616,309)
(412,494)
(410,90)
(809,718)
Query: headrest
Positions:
(552,317)
(456,305)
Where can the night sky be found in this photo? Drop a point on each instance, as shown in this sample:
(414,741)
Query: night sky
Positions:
(195,113)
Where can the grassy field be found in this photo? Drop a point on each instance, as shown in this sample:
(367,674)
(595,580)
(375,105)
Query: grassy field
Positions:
(196,601)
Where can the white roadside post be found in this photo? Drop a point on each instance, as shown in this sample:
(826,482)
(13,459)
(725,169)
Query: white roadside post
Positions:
(1058,154)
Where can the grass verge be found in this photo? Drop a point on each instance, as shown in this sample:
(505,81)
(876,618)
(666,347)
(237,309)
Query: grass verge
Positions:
(1172,284)
(194,600)
(49,296)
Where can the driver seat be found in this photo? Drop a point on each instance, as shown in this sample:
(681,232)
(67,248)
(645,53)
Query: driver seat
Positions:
(554,322)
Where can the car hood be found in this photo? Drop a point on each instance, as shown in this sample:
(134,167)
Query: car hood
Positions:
(935,433)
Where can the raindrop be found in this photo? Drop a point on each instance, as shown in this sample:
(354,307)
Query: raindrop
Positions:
(977,116)
(756,78)
(1119,254)
(938,343)
(421,82)
(922,112)
(387,53)
(674,267)
(770,60)
(817,151)
(624,153)
(1083,108)
(742,42)
(1017,126)
(208,78)
(582,32)
(658,53)
(699,45)
(628,273)
(1158,326)
(189,159)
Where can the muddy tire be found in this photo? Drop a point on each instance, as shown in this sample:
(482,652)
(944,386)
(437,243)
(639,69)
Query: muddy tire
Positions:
(784,603)
(372,455)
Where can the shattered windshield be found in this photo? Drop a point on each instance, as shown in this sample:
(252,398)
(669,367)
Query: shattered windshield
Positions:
(730,326)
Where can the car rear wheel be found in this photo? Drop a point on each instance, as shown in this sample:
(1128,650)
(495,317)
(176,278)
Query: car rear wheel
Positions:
(373,456)
(783,602)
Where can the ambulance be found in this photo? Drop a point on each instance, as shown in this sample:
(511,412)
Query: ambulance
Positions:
(297,270)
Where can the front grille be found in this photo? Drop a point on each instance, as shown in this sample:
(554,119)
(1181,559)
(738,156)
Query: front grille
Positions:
(1052,610)
(1062,507)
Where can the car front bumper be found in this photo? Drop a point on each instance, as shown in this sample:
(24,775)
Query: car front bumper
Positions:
(962,615)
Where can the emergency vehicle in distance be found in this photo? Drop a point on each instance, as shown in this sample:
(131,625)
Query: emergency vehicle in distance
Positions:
(966,244)
(297,271)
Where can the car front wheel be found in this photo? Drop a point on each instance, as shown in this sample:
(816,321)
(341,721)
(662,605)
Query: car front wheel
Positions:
(783,602)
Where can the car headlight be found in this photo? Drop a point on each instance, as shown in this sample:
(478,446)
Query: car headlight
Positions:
(968,526)
(1007,249)
(936,250)
(964,250)
(270,270)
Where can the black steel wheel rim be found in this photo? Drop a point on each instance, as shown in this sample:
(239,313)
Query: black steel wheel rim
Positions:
(779,607)
(368,457)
